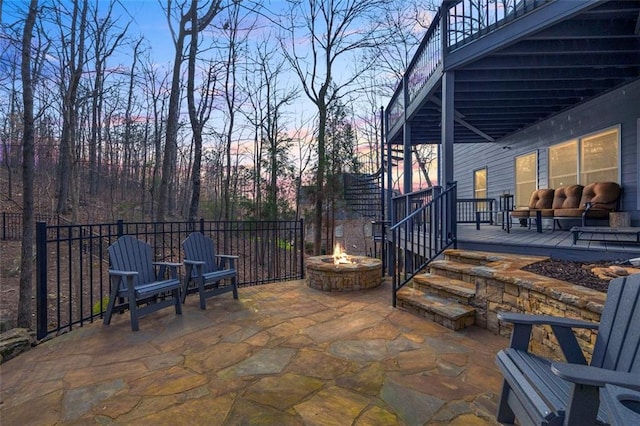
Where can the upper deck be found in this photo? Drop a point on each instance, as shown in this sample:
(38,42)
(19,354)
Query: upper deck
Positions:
(516,62)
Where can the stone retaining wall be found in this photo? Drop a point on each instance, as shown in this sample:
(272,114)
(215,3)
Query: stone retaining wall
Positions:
(502,286)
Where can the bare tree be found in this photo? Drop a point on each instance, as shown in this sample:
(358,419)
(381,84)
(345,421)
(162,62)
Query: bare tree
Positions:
(268,97)
(104,45)
(72,59)
(28,166)
(426,155)
(332,30)
(198,114)
(156,97)
(234,31)
(179,34)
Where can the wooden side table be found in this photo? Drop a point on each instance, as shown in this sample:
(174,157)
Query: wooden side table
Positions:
(619,220)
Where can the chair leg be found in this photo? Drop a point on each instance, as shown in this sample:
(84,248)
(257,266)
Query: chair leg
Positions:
(203,303)
(112,301)
(133,310)
(505,414)
(178,304)
(235,287)
(187,281)
(583,405)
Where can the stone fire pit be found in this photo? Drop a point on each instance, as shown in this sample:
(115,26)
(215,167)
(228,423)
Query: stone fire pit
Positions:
(362,273)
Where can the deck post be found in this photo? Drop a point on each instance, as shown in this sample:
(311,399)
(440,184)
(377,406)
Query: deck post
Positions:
(406,139)
(447,138)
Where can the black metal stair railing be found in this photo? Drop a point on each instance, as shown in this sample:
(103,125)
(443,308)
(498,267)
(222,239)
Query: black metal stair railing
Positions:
(424,226)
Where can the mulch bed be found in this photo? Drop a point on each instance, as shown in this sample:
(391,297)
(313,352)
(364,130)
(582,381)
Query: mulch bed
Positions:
(578,273)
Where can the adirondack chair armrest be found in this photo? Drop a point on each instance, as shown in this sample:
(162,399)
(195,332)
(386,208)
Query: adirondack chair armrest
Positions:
(168,264)
(224,258)
(193,268)
(173,269)
(116,272)
(516,318)
(193,262)
(125,277)
(594,376)
(562,328)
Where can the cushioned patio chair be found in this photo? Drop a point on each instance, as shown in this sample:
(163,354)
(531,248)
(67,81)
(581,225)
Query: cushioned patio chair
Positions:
(566,199)
(597,201)
(541,199)
(205,271)
(540,391)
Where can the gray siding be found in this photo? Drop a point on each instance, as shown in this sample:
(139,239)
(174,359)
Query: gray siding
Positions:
(619,107)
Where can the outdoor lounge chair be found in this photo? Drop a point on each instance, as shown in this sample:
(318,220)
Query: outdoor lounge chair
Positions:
(540,391)
(133,276)
(597,200)
(541,199)
(205,270)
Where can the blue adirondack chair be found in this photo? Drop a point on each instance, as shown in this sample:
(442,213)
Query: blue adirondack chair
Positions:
(537,390)
(205,270)
(133,276)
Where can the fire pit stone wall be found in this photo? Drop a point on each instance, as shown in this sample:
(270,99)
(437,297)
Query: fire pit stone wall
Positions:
(363,273)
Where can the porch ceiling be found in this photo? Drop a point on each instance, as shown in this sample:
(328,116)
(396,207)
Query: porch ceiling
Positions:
(533,78)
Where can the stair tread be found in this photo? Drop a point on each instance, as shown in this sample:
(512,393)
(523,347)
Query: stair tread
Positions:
(447,308)
(463,268)
(451,285)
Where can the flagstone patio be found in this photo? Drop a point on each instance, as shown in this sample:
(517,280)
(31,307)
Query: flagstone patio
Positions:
(284,354)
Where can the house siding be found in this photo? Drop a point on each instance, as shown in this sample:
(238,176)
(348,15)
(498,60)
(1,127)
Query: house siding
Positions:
(620,107)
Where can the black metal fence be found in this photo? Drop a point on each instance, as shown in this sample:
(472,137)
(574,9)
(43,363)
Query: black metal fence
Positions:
(72,283)
(11,224)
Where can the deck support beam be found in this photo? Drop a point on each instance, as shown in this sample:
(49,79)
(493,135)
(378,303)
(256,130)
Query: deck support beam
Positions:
(447,138)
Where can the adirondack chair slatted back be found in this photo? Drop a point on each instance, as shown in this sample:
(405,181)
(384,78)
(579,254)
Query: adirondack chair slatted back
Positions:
(618,343)
(131,254)
(198,247)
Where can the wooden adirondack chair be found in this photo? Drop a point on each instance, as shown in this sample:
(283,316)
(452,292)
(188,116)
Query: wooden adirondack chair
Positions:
(205,270)
(539,391)
(133,276)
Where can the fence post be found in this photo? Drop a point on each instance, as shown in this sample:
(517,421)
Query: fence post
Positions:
(202,225)
(120,230)
(303,245)
(41,280)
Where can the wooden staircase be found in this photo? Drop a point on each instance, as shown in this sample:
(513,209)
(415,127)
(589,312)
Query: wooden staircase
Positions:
(446,294)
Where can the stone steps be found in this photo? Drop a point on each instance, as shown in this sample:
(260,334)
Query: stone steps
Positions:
(436,285)
(442,295)
(447,294)
(446,312)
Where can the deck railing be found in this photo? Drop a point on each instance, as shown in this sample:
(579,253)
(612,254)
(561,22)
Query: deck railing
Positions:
(422,233)
(471,19)
(468,207)
(466,21)
(72,283)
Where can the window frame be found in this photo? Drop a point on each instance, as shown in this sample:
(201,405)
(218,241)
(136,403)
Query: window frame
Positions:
(579,149)
(475,182)
(526,198)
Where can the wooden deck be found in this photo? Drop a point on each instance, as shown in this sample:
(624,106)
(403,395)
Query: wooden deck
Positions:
(557,244)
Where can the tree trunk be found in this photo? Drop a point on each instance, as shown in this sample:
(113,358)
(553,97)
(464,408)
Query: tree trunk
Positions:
(322,125)
(28,166)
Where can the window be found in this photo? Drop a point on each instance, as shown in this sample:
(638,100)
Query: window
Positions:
(599,158)
(526,178)
(589,159)
(563,164)
(480,183)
